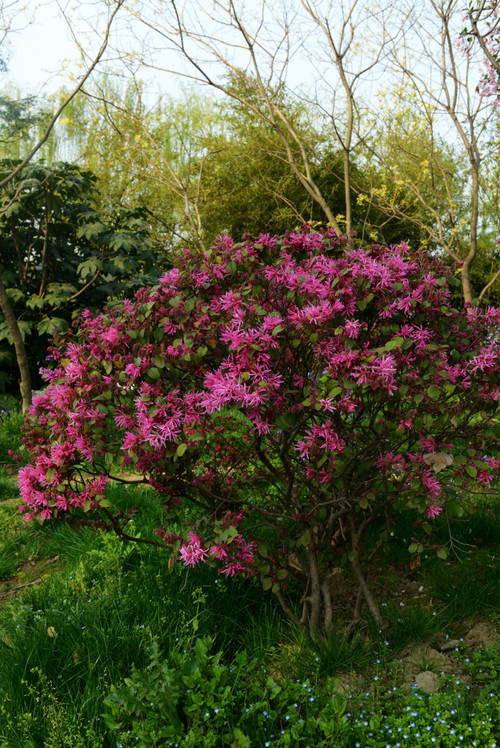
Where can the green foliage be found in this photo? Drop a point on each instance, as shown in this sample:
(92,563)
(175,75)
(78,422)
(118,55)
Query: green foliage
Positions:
(193,698)
(424,720)
(20,118)
(51,724)
(10,434)
(62,251)
(229,166)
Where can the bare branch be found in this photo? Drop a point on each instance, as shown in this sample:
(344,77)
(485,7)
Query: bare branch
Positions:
(67,99)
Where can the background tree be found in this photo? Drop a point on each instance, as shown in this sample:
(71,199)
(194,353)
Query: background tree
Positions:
(483,28)
(62,251)
(440,85)
(16,169)
(413,49)
(231,171)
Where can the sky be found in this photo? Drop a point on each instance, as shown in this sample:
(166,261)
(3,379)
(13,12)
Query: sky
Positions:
(42,57)
(35,51)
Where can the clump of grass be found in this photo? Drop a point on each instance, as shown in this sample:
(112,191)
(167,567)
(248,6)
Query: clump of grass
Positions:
(469,587)
(409,623)
(297,657)
(10,435)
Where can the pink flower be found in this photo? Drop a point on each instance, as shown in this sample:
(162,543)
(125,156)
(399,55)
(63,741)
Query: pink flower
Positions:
(433,511)
(233,568)
(352,328)
(218,551)
(192,554)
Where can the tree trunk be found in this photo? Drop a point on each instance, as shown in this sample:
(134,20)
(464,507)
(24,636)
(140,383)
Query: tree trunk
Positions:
(363,586)
(21,355)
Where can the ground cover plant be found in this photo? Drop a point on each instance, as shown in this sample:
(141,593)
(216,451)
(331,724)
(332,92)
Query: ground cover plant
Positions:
(287,399)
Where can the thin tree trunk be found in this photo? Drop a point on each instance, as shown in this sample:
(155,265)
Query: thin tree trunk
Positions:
(327,604)
(314,599)
(369,599)
(356,616)
(21,355)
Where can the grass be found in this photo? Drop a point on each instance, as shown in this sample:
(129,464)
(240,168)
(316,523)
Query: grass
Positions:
(103,639)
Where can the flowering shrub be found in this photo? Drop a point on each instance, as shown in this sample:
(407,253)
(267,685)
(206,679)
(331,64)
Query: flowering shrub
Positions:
(291,391)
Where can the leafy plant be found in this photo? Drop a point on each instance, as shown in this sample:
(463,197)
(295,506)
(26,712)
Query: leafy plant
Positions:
(194,699)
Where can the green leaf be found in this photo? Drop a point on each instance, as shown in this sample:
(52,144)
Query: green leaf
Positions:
(442,553)
(24,328)
(267,583)
(227,535)
(305,538)
(454,509)
(334,392)
(471,471)
(154,373)
(51,325)
(159,361)
(433,392)
(181,449)
(396,342)
(35,302)
(240,739)
(89,267)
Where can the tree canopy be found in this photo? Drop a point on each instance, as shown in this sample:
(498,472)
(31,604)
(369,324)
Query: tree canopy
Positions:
(60,252)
